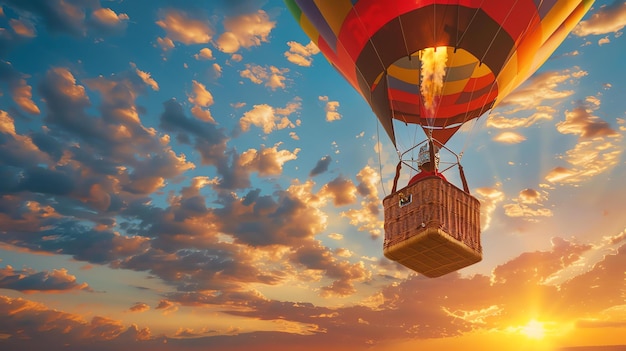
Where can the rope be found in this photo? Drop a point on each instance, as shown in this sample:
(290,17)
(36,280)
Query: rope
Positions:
(528,26)
(395,179)
(380,162)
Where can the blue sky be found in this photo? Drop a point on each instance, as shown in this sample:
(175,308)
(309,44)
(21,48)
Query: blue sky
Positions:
(187,175)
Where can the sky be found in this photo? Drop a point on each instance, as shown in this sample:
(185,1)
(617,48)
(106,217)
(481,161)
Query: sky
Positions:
(193,175)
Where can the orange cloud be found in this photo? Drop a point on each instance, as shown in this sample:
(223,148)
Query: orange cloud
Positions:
(29,281)
(17,145)
(23,27)
(267,161)
(509,138)
(182,27)
(204,54)
(201,98)
(267,118)
(581,122)
(598,149)
(108,17)
(146,78)
(528,205)
(272,76)
(300,54)
(367,217)
(139,307)
(331,109)
(608,19)
(245,30)
(167,306)
(540,88)
(341,190)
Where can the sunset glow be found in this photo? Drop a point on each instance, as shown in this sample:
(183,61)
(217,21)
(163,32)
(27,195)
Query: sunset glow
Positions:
(534,330)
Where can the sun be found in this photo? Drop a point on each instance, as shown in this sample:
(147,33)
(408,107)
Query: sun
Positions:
(534,330)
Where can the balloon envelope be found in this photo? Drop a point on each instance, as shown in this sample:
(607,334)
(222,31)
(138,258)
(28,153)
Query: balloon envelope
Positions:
(437,63)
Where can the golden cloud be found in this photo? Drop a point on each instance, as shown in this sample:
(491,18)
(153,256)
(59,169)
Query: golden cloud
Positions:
(245,31)
(183,28)
(608,19)
(509,138)
(300,54)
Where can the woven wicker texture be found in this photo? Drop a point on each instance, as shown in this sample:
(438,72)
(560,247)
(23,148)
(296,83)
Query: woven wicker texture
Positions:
(437,229)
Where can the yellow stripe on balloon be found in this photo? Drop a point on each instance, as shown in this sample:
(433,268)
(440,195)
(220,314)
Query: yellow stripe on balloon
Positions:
(334,12)
(309,29)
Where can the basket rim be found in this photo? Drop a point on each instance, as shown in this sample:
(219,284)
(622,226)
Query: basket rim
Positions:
(441,181)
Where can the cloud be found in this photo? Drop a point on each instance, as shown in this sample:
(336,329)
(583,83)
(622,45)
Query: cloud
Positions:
(540,88)
(207,139)
(341,190)
(204,54)
(184,27)
(489,198)
(268,118)
(18,150)
(21,92)
(528,205)
(331,109)
(321,166)
(166,43)
(167,306)
(607,19)
(317,257)
(267,161)
(367,216)
(272,76)
(509,138)
(75,18)
(300,54)
(288,218)
(581,122)
(603,41)
(57,15)
(597,150)
(23,27)
(478,304)
(35,326)
(217,70)
(559,174)
(146,78)
(29,281)
(246,30)
(107,20)
(530,196)
(499,121)
(90,159)
(139,307)
(201,98)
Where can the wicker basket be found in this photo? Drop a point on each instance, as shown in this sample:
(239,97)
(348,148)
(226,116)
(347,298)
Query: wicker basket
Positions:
(432,227)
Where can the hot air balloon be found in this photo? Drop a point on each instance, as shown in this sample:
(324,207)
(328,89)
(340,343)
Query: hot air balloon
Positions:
(436,64)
